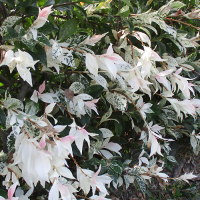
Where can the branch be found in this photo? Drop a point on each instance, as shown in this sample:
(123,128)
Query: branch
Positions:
(73,49)
(60,16)
(82,197)
(190,69)
(65,4)
(181,22)
(132,49)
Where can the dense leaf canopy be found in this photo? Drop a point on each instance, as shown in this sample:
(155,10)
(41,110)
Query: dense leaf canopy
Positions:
(95,95)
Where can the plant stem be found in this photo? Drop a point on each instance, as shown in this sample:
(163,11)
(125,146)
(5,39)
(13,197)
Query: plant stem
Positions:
(181,22)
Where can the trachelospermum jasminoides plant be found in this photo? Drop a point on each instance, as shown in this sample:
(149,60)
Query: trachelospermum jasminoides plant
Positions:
(55,126)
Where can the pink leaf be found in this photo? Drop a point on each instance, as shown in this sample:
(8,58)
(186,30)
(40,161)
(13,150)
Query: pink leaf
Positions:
(11,191)
(68,138)
(42,142)
(178,71)
(45,12)
(42,88)
(91,104)
(93,40)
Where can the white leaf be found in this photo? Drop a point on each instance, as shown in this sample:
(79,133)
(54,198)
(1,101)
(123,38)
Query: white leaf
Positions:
(118,101)
(76,87)
(10,21)
(155,146)
(142,37)
(85,97)
(47,98)
(8,58)
(95,197)
(34,96)
(185,177)
(25,74)
(54,192)
(41,123)
(113,147)
(144,160)
(106,132)
(64,171)
(106,154)
(59,128)
(100,80)
(49,108)
(84,180)
(91,64)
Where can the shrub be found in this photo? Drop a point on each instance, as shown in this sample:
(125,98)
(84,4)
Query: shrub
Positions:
(93,94)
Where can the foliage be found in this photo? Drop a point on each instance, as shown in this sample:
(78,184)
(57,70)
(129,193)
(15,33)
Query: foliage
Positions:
(94,94)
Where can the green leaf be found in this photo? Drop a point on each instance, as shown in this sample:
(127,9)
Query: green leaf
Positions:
(90,1)
(31,108)
(118,101)
(127,2)
(68,29)
(31,10)
(9,2)
(95,91)
(10,21)
(149,2)
(104,5)
(30,44)
(123,10)
(171,159)
(192,56)
(40,54)
(43,40)
(115,170)
(106,115)
(12,103)
(177,5)
(44,3)
(3,193)
(77,87)
(10,34)
(2,118)
(141,184)
(118,128)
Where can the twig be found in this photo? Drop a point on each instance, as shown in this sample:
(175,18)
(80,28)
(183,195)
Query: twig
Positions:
(140,38)
(76,72)
(70,115)
(73,49)
(65,4)
(82,72)
(132,49)
(76,163)
(181,22)
(190,69)
(60,16)
(82,197)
